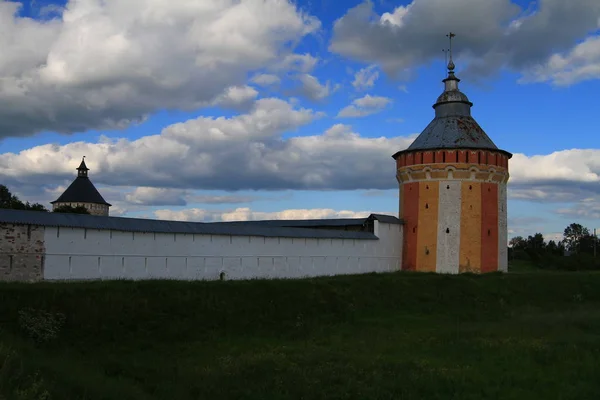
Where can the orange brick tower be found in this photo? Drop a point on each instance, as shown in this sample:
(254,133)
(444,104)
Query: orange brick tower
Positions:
(453,192)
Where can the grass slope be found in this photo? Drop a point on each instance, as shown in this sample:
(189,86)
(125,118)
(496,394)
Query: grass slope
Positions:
(390,336)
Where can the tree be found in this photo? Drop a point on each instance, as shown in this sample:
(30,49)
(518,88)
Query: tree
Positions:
(573,235)
(536,242)
(586,244)
(71,209)
(518,243)
(9,200)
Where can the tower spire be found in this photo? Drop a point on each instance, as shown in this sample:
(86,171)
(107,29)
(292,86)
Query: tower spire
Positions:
(82,170)
(451,65)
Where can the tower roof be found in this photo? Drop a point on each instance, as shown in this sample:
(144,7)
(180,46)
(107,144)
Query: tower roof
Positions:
(81,190)
(453,127)
(82,166)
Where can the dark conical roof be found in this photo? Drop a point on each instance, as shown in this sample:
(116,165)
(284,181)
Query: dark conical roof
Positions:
(453,127)
(82,166)
(81,190)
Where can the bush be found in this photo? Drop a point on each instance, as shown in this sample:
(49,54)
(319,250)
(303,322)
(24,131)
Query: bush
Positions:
(40,325)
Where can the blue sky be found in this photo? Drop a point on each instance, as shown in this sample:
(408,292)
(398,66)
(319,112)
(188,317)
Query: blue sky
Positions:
(171,103)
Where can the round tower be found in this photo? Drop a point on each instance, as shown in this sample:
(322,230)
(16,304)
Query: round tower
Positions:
(453,192)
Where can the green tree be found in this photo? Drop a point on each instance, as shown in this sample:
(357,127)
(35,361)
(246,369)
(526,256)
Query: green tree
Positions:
(518,243)
(586,244)
(71,209)
(536,242)
(9,200)
(573,235)
(552,247)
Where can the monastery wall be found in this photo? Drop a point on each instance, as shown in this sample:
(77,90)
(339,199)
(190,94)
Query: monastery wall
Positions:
(83,254)
(21,252)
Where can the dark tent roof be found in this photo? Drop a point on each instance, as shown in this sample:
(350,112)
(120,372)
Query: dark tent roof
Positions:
(82,190)
(453,127)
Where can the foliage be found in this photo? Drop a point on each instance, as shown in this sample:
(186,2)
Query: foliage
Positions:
(15,382)
(375,336)
(552,255)
(8,200)
(41,326)
(573,235)
(70,209)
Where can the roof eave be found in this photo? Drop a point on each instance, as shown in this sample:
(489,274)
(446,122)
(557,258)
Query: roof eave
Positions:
(406,151)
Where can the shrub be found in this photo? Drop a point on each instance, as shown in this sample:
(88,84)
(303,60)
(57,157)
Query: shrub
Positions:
(41,326)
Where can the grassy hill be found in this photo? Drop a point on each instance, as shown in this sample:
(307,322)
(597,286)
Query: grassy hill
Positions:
(389,336)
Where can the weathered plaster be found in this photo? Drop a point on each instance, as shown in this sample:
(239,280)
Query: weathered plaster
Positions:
(22,252)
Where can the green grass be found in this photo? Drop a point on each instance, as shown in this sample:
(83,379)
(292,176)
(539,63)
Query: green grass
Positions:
(389,336)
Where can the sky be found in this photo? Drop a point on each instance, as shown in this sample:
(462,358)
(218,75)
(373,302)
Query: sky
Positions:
(210,110)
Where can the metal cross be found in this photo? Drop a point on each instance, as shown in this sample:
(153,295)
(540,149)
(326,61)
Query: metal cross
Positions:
(450,36)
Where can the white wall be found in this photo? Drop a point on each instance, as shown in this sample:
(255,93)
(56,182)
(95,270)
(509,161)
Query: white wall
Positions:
(448,243)
(74,253)
(502,228)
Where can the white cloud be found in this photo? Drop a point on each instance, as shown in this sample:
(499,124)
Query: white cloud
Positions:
(364,106)
(249,151)
(242,152)
(365,78)
(492,34)
(302,63)
(157,196)
(575,165)
(150,196)
(236,97)
(313,89)
(586,209)
(111,63)
(396,18)
(579,64)
(266,79)
(246,214)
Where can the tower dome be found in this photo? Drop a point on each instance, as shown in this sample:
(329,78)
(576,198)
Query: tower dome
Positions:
(82,192)
(452,182)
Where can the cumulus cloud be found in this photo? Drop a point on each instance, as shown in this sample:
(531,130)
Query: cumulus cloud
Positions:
(299,63)
(246,214)
(157,196)
(313,89)
(109,64)
(364,106)
(240,97)
(266,79)
(365,78)
(253,151)
(492,34)
(562,176)
(585,209)
(150,196)
(246,151)
(580,64)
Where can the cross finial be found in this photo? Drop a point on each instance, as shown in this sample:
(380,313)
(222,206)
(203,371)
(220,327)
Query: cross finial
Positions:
(450,63)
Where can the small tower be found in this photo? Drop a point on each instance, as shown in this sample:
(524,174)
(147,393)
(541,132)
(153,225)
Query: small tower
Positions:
(452,182)
(82,192)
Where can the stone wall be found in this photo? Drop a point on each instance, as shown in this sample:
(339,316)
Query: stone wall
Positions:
(93,208)
(22,252)
(82,254)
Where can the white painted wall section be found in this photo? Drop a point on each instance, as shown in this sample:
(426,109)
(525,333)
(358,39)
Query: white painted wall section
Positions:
(502,228)
(82,254)
(448,243)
